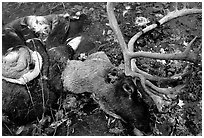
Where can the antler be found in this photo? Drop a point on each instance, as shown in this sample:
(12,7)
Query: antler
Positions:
(129,55)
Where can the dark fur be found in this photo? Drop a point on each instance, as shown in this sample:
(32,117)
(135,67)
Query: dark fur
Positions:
(127,102)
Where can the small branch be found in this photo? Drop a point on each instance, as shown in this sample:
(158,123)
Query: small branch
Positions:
(176,6)
(8,129)
(184,5)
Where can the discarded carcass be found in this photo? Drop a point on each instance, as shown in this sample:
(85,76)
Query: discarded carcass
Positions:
(116,93)
(27,69)
(92,75)
(111,80)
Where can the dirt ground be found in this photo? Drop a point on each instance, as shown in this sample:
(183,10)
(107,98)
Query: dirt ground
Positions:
(79,118)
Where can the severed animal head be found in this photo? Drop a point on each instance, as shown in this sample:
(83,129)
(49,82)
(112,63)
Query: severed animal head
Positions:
(116,93)
(125,101)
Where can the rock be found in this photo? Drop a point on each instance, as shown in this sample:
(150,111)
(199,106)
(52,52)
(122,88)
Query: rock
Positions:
(91,73)
(23,104)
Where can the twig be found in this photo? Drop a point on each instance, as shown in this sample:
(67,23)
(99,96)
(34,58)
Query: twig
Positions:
(8,129)
(31,99)
(41,82)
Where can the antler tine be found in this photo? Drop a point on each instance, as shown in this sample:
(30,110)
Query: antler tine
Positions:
(187,55)
(165,19)
(150,77)
(156,93)
(179,13)
(115,27)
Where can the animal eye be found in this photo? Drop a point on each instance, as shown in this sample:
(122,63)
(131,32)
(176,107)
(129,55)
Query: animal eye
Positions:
(114,72)
(127,88)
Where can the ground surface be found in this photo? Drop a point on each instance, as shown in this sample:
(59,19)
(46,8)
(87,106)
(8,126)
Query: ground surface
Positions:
(180,120)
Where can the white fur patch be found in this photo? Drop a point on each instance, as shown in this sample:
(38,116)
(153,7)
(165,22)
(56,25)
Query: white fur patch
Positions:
(74,43)
(39,24)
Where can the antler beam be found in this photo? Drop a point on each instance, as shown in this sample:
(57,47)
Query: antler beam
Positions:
(171,15)
(129,55)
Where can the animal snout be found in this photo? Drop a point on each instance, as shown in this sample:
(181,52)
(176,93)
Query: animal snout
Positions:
(130,106)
